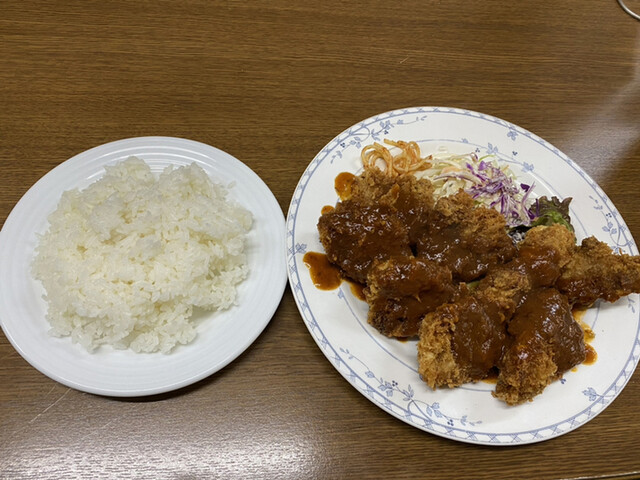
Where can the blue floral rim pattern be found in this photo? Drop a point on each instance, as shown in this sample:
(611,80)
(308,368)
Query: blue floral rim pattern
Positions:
(399,400)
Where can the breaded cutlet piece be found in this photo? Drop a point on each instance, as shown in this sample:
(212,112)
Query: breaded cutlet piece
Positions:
(380,217)
(368,187)
(437,363)
(554,238)
(545,342)
(466,339)
(355,235)
(459,342)
(503,287)
(527,375)
(541,255)
(595,271)
(468,239)
(544,251)
(410,197)
(401,290)
(413,200)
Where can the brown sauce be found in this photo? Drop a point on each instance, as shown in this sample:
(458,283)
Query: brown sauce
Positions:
(357,289)
(492,377)
(324,275)
(370,239)
(355,236)
(541,265)
(578,314)
(592,355)
(343,183)
(478,338)
(546,314)
(327,209)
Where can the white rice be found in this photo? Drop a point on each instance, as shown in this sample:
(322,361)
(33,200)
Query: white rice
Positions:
(125,261)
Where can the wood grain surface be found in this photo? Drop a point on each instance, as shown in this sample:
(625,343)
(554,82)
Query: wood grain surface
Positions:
(271,82)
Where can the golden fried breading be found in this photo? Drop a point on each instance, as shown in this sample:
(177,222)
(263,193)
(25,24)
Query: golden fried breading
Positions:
(508,323)
(545,342)
(554,238)
(401,290)
(541,255)
(437,363)
(544,251)
(370,186)
(459,342)
(527,375)
(412,253)
(413,200)
(595,271)
(503,287)
(410,197)
(468,239)
(355,235)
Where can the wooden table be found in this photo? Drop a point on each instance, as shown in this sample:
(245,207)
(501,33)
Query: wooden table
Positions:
(271,82)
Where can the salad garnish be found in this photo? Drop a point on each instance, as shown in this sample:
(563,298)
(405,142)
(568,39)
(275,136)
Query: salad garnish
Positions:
(487,179)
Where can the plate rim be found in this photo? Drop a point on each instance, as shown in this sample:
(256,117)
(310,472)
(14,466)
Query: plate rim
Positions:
(337,361)
(215,155)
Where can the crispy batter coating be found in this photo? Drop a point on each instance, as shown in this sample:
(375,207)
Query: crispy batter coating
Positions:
(415,256)
(545,342)
(381,218)
(545,251)
(370,186)
(527,375)
(541,255)
(504,287)
(468,239)
(401,290)
(554,238)
(355,235)
(459,342)
(595,271)
(512,322)
(413,200)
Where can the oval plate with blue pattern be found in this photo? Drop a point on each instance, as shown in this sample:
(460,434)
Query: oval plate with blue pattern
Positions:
(385,370)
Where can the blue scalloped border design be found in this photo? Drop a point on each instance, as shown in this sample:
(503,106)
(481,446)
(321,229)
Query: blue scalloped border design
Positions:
(386,393)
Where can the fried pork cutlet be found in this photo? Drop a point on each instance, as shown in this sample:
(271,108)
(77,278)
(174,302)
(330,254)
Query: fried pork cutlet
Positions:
(465,340)
(522,311)
(368,187)
(355,235)
(544,342)
(459,342)
(595,271)
(401,290)
(468,239)
(380,218)
(412,253)
(545,251)
(541,256)
(411,198)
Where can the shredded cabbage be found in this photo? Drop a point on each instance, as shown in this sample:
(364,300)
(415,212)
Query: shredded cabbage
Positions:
(488,182)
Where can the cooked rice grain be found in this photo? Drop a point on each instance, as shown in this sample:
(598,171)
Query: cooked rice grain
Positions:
(125,261)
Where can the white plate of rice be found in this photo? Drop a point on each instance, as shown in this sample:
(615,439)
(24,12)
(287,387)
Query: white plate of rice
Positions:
(208,341)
